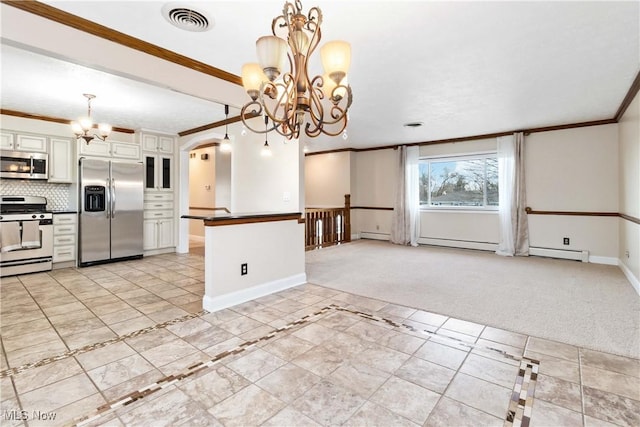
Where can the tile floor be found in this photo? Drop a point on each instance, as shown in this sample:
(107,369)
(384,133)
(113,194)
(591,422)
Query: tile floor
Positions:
(127,344)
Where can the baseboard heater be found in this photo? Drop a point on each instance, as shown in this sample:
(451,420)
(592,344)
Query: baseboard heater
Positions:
(560,253)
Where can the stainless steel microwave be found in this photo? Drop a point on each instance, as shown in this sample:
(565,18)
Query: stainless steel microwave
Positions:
(21,165)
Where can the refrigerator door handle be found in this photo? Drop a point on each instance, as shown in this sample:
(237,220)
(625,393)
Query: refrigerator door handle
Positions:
(113,198)
(107,193)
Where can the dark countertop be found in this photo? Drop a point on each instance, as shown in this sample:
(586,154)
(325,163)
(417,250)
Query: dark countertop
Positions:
(224,218)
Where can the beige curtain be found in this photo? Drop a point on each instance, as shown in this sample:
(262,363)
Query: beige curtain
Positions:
(514,226)
(405,226)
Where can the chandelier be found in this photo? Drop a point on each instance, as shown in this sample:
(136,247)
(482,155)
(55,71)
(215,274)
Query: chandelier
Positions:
(83,126)
(292,99)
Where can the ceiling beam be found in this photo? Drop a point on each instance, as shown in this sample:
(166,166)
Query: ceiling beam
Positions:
(54,119)
(68,19)
(217,124)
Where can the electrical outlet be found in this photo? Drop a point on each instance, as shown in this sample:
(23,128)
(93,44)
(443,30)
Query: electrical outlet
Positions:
(565,241)
(377,227)
(626,253)
(243,269)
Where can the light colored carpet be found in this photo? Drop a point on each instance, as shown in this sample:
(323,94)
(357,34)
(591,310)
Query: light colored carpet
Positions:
(588,305)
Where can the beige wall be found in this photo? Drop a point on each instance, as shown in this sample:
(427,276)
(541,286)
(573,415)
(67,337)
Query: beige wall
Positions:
(202,186)
(574,170)
(567,170)
(629,176)
(327,178)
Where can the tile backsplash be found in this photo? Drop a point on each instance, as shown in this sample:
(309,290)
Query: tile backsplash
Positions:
(58,195)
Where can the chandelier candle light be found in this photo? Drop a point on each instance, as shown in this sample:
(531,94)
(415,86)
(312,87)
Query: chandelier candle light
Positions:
(292,99)
(83,126)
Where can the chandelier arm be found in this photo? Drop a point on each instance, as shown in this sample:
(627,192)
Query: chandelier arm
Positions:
(254,113)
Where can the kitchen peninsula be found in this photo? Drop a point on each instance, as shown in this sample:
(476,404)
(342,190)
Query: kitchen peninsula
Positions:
(251,255)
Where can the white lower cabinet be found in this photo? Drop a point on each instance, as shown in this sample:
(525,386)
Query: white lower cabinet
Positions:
(64,237)
(159,223)
(158,233)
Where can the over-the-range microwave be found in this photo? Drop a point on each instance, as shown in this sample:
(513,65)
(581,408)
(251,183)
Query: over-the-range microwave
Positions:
(21,165)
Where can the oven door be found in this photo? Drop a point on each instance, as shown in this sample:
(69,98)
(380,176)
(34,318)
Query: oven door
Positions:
(16,164)
(30,260)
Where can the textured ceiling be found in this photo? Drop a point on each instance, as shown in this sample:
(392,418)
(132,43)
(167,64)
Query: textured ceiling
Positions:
(462,68)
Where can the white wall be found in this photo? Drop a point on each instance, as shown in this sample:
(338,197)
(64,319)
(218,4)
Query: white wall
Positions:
(262,184)
(273,252)
(629,176)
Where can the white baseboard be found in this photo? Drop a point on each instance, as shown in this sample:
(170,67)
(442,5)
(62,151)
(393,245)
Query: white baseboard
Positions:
(159,251)
(212,304)
(630,277)
(355,236)
(560,253)
(374,236)
(603,260)
(196,238)
(462,244)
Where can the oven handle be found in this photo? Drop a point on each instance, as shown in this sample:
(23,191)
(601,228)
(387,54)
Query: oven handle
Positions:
(30,165)
(113,198)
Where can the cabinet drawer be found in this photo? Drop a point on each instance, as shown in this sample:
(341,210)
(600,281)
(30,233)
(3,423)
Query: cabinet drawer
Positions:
(65,239)
(158,214)
(64,253)
(64,218)
(152,197)
(158,205)
(64,229)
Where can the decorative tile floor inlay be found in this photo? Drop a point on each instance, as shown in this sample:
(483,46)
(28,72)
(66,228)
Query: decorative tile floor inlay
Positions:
(519,414)
(13,371)
(191,370)
(519,410)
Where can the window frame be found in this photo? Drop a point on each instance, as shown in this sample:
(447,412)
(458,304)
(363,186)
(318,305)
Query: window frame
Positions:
(457,157)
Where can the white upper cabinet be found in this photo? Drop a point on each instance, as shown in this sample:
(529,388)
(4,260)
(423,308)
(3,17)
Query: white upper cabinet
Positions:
(157,143)
(18,142)
(62,160)
(111,149)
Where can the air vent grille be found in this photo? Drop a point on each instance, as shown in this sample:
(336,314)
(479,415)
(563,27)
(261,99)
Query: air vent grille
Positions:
(186,18)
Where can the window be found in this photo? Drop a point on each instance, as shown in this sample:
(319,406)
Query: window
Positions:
(462,181)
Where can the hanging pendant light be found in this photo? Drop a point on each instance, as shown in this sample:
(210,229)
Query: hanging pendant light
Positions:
(225,145)
(83,126)
(266,150)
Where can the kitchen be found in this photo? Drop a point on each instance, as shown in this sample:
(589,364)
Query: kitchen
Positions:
(71,198)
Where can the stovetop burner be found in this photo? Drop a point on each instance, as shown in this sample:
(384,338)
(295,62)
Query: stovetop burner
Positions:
(22,204)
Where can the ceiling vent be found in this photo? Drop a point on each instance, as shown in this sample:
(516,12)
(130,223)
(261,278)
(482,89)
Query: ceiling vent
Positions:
(186,17)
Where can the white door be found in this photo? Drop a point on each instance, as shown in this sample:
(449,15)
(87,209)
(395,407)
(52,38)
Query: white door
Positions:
(31,143)
(165,233)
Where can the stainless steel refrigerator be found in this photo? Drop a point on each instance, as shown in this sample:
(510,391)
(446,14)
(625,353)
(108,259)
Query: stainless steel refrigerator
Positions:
(111,211)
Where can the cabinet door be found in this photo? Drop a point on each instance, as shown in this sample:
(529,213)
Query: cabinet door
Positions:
(149,143)
(165,172)
(6,141)
(124,150)
(150,234)
(95,148)
(61,163)
(165,233)
(150,172)
(31,143)
(165,144)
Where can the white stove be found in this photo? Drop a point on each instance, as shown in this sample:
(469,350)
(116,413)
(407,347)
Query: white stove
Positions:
(26,236)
